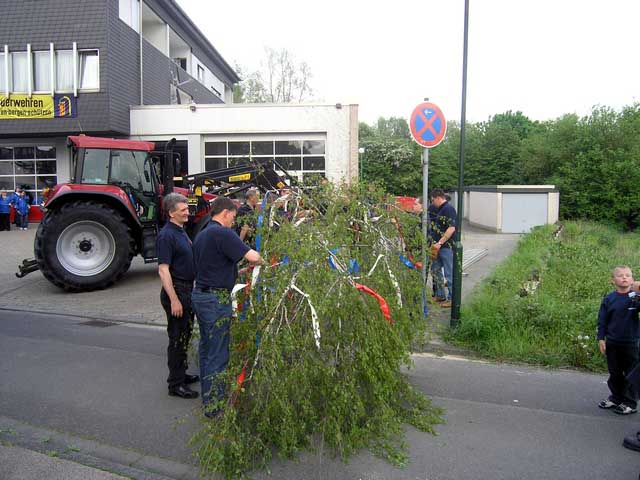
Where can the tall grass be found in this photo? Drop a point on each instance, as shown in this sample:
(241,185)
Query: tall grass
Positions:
(541,305)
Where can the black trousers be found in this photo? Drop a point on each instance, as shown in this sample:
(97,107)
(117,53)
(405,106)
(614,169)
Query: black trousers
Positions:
(179,331)
(621,358)
(5,224)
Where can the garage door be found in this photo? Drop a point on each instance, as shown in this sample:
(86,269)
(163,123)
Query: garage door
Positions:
(523,211)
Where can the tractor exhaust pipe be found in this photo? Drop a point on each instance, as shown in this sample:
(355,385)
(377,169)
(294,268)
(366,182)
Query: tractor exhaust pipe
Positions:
(168,169)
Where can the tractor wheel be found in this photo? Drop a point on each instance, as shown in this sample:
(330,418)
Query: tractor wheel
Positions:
(83,246)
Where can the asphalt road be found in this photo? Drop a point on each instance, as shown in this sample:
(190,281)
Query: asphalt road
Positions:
(107,384)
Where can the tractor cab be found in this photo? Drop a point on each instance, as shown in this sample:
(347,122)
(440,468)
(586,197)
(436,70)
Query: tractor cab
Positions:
(125,164)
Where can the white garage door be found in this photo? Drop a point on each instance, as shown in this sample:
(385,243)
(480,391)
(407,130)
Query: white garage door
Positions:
(523,211)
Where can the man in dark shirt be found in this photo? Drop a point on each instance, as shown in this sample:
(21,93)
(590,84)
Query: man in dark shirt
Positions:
(245,221)
(217,250)
(175,267)
(444,226)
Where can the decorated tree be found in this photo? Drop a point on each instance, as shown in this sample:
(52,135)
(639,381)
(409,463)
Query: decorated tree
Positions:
(321,335)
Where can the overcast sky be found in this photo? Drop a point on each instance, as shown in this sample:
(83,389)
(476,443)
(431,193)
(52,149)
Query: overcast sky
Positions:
(542,57)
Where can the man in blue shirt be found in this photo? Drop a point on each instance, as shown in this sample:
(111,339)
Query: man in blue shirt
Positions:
(176,270)
(444,226)
(217,251)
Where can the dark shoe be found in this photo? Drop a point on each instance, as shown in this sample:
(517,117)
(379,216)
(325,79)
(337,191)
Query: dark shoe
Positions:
(183,391)
(623,409)
(607,404)
(632,442)
(189,379)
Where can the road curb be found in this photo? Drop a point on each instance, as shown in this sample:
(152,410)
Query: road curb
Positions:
(127,463)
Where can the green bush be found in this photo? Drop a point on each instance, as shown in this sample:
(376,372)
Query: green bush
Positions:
(554,325)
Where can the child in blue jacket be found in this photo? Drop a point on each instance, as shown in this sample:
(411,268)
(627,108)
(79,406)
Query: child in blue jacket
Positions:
(21,204)
(5,211)
(618,337)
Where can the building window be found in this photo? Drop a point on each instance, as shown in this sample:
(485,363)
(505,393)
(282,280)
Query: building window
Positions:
(300,158)
(33,168)
(88,70)
(129,12)
(200,73)
(3,85)
(19,72)
(42,71)
(64,71)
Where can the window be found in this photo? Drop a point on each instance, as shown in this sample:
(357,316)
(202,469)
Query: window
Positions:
(3,86)
(40,81)
(129,166)
(88,70)
(200,73)
(129,12)
(239,148)
(32,167)
(64,71)
(96,166)
(19,72)
(42,71)
(288,147)
(294,156)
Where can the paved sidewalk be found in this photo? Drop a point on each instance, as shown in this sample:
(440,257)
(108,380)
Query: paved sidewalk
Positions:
(21,464)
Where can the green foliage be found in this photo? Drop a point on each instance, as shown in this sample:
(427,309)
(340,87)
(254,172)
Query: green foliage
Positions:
(594,161)
(344,390)
(552,322)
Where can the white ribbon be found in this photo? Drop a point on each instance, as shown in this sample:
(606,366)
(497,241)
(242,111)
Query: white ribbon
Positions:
(314,316)
(234,293)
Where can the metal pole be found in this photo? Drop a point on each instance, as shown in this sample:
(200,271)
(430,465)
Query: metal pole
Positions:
(457,271)
(425,220)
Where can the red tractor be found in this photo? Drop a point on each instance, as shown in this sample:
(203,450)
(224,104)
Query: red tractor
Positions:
(112,208)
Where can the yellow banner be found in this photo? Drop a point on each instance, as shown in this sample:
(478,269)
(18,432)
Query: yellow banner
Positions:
(24,107)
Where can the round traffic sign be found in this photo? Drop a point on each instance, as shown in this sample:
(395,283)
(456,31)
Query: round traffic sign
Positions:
(428,125)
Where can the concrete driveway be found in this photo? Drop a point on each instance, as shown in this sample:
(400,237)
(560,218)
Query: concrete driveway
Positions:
(135,298)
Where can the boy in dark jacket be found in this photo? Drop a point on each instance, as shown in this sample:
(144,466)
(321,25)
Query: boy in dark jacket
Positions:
(618,335)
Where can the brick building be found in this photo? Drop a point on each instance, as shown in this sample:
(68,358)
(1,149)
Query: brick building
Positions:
(77,66)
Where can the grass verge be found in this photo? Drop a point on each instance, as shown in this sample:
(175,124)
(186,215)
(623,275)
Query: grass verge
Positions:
(541,305)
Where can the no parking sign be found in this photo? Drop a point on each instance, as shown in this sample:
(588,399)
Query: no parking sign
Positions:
(428,125)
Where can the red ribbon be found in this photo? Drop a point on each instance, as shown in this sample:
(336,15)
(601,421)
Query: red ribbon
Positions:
(384,307)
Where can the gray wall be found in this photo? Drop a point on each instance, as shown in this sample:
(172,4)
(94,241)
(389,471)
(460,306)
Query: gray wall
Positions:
(95,24)
(62,22)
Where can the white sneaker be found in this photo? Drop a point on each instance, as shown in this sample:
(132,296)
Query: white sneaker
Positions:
(606,403)
(623,409)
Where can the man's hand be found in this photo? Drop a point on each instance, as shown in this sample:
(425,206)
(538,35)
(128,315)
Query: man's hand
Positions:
(602,346)
(176,308)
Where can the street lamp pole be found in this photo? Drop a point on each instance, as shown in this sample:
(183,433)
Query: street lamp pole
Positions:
(360,165)
(457,271)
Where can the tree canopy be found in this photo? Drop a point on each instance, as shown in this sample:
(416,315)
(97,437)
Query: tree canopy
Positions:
(594,160)
(280,79)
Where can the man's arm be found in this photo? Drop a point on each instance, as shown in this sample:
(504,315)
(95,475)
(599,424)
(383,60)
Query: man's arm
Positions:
(445,237)
(254,257)
(167,284)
